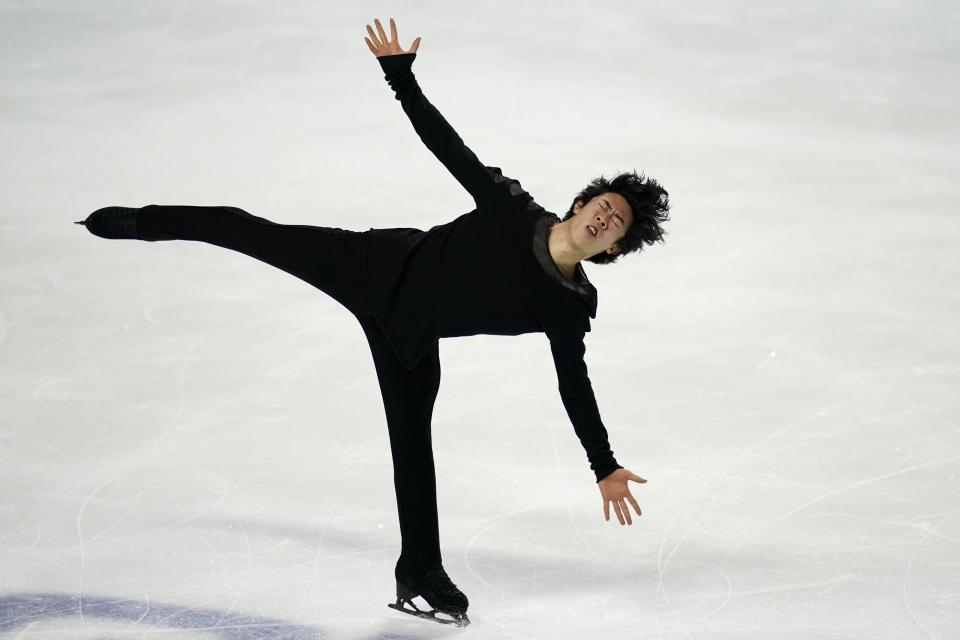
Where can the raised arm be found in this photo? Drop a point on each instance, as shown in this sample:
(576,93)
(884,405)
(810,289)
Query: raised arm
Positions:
(486,184)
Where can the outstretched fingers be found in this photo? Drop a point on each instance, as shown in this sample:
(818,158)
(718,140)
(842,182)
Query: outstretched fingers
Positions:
(616,507)
(383,35)
(373,37)
(621,508)
(381,45)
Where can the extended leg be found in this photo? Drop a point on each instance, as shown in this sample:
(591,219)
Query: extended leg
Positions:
(329,258)
(408,400)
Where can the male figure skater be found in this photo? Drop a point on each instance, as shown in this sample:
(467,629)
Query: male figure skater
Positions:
(508,267)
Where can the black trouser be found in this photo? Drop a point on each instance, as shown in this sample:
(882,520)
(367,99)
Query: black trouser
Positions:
(335,261)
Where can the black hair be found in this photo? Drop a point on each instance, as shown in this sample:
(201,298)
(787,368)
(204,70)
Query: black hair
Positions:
(649,202)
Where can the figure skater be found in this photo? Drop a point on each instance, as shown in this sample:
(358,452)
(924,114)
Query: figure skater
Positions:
(507,267)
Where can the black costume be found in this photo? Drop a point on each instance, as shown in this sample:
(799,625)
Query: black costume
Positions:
(481,273)
(488,271)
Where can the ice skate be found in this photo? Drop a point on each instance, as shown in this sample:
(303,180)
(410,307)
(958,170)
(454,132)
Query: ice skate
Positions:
(118,223)
(439,592)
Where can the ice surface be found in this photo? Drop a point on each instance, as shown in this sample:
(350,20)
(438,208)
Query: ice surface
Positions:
(192,445)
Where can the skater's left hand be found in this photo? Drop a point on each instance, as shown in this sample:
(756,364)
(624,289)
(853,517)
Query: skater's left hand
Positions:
(614,489)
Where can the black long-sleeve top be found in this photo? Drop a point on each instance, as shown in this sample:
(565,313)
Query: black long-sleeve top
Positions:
(489,271)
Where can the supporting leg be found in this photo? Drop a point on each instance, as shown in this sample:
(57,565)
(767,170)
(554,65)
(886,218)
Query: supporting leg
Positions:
(408,400)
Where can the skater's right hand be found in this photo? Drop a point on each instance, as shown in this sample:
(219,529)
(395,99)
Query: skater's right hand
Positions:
(382,46)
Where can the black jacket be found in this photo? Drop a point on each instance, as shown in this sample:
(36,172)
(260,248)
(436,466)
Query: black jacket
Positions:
(488,271)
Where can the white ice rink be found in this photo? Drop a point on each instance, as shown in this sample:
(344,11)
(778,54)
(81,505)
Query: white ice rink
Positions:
(192,444)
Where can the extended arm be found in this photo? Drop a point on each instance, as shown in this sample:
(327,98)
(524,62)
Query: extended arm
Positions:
(581,405)
(485,184)
(578,398)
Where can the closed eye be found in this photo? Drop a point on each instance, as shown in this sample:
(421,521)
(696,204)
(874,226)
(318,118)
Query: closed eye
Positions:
(616,215)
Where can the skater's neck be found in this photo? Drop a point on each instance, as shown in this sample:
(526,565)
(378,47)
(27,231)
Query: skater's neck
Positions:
(565,255)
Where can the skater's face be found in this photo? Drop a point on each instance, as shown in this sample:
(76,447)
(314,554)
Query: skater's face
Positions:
(609,214)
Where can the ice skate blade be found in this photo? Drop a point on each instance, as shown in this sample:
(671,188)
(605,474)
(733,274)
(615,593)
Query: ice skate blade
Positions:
(459,619)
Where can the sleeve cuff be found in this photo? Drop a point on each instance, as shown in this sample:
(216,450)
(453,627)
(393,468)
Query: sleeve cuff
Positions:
(396,63)
(603,472)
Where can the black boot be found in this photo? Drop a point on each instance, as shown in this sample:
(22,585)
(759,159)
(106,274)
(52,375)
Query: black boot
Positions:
(119,223)
(437,589)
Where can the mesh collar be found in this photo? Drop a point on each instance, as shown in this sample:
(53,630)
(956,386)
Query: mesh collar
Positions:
(541,248)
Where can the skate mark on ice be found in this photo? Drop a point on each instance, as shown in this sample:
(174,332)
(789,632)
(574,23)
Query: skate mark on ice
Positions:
(30,610)
(663,564)
(829,494)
